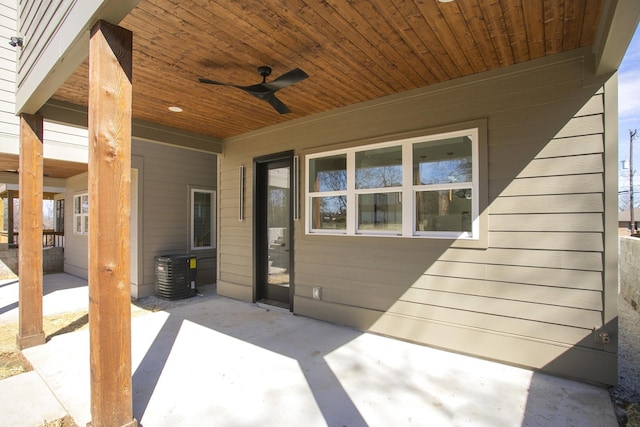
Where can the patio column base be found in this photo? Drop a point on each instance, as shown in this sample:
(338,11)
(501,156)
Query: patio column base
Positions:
(30,340)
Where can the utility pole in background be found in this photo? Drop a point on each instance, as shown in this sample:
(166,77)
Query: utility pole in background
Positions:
(632,135)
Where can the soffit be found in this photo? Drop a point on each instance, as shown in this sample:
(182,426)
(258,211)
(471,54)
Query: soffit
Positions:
(353,51)
(52,168)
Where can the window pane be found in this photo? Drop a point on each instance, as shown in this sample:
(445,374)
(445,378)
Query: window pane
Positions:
(329,213)
(48,214)
(78,224)
(328,173)
(85,204)
(86,224)
(380,211)
(60,215)
(379,168)
(202,219)
(442,162)
(446,210)
(76,205)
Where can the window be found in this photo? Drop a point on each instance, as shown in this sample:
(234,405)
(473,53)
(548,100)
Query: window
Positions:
(81,214)
(328,186)
(59,223)
(202,219)
(416,187)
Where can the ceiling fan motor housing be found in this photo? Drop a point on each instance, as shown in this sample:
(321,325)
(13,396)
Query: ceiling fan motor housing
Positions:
(265,72)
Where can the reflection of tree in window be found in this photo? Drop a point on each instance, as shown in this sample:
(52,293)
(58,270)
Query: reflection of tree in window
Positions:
(328,175)
(379,168)
(328,210)
(278,215)
(335,180)
(379,177)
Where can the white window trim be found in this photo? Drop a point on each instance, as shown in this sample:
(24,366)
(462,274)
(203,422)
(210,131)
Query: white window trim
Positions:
(408,190)
(83,231)
(213,219)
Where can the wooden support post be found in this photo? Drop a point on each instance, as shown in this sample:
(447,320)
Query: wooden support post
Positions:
(30,332)
(110,83)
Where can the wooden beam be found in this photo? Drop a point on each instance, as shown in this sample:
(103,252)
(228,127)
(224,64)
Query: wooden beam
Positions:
(30,332)
(110,63)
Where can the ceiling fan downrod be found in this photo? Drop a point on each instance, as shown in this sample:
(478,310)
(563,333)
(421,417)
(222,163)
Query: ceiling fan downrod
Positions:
(265,72)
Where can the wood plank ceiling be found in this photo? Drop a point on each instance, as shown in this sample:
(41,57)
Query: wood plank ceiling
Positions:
(353,51)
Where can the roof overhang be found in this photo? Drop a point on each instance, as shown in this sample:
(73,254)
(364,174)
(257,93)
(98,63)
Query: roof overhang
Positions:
(65,48)
(616,29)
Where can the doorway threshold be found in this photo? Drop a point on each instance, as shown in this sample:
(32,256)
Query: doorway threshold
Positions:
(269,304)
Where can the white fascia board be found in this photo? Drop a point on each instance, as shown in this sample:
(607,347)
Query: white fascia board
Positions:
(615,31)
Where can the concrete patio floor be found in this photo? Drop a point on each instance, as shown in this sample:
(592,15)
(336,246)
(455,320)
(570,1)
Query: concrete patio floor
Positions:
(217,361)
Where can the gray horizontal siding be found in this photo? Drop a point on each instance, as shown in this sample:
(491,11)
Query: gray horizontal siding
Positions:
(168,173)
(38,21)
(9,123)
(541,276)
(165,175)
(56,42)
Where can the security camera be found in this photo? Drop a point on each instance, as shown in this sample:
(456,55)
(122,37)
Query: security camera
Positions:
(16,41)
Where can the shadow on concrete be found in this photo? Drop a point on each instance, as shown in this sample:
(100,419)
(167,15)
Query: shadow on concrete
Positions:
(233,363)
(308,351)
(8,282)
(51,283)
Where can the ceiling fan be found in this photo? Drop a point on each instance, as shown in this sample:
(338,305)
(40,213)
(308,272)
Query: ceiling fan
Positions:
(267,90)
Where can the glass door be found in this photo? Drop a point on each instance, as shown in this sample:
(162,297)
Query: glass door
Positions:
(273,225)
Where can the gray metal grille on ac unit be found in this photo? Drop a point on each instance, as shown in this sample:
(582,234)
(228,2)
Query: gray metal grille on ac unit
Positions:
(175,276)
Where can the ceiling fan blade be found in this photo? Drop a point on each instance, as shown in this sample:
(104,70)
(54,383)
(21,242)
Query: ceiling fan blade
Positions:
(266,91)
(213,82)
(289,78)
(277,104)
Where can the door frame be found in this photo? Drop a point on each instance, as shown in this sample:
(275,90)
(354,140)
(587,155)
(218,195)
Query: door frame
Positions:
(259,212)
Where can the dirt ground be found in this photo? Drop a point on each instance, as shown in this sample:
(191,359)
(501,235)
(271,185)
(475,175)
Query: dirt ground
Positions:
(11,360)
(61,422)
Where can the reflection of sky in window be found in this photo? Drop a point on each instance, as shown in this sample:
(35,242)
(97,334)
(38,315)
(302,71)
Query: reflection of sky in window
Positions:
(445,171)
(443,161)
(334,205)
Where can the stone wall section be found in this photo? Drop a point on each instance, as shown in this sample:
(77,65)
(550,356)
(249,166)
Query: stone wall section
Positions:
(52,260)
(630,270)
